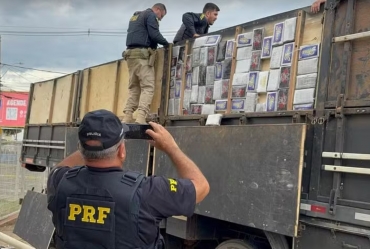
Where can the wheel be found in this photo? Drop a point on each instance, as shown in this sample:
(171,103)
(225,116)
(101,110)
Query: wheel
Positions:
(277,241)
(235,244)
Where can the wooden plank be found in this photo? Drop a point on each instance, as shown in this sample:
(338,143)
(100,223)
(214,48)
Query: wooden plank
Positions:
(52,102)
(116,87)
(158,70)
(165,84)
(123,88)
(183,79)
(166,92)
(85,100)
(336,64)
(324,61)
(352,37)
(34,223)
(41,102)
(30,104)
(313,28)
(63,95)
(258,184)
(294,68)
(233,66)
(102,87)
(72,97)
(347,56)
(359,74)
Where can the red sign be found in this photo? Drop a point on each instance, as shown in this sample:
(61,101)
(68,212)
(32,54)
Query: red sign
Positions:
(13,109)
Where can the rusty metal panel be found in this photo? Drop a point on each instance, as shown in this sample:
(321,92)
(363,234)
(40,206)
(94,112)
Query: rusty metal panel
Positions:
(43,145)
(254,172)
(356,140)
(357,86)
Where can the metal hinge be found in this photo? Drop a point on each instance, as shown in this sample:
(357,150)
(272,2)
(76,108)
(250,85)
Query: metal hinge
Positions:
(339,107)
(296,118)
(317,120)
(202,121)
(334,194)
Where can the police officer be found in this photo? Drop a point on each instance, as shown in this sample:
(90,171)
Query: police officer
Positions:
(142,41)
(196,24)
(96,204)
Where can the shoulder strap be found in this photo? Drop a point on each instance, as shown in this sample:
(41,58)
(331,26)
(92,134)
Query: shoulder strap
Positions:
(133,181)
(73,172)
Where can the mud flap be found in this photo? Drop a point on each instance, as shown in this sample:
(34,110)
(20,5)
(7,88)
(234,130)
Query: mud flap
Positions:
(34,223)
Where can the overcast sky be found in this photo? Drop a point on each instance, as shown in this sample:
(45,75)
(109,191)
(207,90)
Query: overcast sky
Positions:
(71,53)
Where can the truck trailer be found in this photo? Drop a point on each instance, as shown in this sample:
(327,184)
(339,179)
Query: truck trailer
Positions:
(274,111)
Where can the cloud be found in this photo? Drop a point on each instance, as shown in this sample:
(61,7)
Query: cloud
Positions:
(71,53)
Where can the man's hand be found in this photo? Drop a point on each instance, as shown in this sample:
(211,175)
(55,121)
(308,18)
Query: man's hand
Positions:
(315,7)
(196,35)
(162,139)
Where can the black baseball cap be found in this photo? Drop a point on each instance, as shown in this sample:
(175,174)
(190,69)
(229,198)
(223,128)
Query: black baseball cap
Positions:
(101,125)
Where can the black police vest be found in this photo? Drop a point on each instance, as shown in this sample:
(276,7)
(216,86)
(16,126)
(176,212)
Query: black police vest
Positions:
(98,210)
(137,34)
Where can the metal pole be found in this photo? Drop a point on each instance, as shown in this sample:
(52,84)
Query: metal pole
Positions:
(13,242)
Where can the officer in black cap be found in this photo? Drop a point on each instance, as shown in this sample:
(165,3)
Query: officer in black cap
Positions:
(96,204)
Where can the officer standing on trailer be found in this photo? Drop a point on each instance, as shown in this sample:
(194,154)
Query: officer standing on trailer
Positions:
(142,40)
(196,24)
(96,204)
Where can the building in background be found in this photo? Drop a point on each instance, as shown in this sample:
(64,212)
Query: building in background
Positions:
(13,113)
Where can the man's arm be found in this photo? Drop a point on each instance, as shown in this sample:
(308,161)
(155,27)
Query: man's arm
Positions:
(315,7)
(185,167)
(169,197)
(190,20)
(56,174)
(153,30)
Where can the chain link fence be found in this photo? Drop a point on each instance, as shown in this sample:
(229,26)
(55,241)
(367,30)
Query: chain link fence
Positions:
(15,180)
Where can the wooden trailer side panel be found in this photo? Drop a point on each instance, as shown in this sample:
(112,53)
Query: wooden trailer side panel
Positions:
(41,102)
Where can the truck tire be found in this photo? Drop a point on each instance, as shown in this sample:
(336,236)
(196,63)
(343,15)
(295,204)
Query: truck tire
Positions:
(277,241)
(235,244)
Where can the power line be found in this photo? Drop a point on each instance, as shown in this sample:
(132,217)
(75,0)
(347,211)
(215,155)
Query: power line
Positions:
(45,27)
(20,76)
(35,69)
(23,72)
(89,32)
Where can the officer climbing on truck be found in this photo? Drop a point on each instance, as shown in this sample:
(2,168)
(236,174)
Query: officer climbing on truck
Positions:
(96,204)
(143,37)
(196,24)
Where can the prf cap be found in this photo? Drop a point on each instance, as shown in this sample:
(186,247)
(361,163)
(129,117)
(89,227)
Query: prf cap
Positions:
(103,126)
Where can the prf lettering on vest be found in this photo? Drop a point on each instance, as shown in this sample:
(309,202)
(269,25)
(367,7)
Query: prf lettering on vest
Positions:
(173,185)
(88,213)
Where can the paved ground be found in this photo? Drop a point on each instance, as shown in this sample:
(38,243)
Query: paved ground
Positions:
(8,230)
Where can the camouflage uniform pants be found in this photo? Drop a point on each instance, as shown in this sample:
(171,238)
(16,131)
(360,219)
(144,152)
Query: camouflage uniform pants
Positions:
(141,81)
